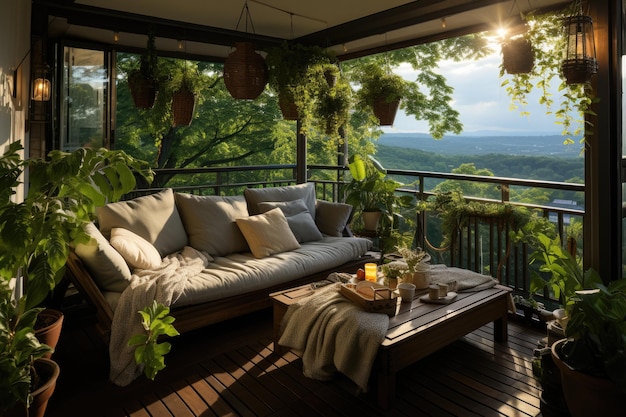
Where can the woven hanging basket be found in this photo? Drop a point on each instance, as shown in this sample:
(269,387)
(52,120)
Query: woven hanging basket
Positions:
(385,111)
(287,107)
(143,92)
(245,72)
(183,104)
(517,56)
(579,71)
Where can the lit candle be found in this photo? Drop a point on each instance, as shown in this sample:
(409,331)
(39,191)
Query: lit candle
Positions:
(371,272)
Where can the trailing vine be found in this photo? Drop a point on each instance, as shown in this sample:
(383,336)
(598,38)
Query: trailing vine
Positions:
(546,34)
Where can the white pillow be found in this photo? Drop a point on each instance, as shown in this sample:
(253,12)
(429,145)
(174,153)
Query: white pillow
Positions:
(136,251)
(106,266)
(268,233)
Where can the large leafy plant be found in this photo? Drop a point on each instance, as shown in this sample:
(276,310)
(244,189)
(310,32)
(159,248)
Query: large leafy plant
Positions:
(35,239)
(596,333)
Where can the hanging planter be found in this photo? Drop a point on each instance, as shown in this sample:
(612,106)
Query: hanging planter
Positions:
(385,111)
(143,81)
(517,56)
(245,72)
(287,106)
(382,92)
(183,105)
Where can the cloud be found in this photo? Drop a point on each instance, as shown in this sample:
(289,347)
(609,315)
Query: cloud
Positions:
(482,102)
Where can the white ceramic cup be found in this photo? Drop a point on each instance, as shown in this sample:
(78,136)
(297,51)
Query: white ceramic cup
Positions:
(407,291)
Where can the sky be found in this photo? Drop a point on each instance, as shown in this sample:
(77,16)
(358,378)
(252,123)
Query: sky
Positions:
(482,102)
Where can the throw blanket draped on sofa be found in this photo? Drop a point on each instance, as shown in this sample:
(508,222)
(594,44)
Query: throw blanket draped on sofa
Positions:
(332,334)
(165,285)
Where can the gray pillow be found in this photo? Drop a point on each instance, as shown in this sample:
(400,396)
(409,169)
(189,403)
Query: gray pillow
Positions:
(306,192)
(105,265)
(298,217)
(210,222)
(154,217)
(332,218)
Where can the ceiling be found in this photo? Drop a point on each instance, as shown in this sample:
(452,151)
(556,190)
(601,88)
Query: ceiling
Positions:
(207,28)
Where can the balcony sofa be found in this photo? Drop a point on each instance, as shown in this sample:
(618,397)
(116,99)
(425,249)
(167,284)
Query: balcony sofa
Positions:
(248,246)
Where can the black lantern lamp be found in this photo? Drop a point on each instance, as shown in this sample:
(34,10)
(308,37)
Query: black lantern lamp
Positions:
(580,55)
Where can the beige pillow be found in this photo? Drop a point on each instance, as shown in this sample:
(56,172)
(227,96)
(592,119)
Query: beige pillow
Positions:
(268,233)
(298,218)
(210,222)
(332,218)
(154,217)
(305,191)
(105,265)
(137,251)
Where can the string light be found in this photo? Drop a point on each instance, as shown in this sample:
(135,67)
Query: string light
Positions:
(116,36)
(443,22)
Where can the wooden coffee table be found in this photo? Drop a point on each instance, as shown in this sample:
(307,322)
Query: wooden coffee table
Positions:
(418,329)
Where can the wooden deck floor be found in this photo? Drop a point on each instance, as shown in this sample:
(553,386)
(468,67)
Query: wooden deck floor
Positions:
(229,369)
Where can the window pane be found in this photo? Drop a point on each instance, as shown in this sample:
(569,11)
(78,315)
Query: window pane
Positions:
(83,99)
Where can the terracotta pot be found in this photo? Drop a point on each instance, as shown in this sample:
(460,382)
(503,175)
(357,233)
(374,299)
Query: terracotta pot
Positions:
(183,104)
(371,220)
(287,107)
(48,371)
(517,56)
(385,111)
(143,92)
(48,328)
(588,395)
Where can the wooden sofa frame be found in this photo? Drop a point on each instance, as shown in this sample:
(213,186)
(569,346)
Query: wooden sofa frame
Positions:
(199,315)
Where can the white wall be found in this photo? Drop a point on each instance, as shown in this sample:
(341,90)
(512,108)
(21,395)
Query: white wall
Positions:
(15,35)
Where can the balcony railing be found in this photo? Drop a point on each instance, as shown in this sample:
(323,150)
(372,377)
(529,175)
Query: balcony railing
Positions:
(483,245)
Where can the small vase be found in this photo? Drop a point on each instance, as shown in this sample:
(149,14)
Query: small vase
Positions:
(421,277)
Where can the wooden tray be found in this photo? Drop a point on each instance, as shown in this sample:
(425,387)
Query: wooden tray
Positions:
(383,299)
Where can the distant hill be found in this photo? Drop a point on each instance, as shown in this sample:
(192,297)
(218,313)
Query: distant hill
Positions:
(549,145)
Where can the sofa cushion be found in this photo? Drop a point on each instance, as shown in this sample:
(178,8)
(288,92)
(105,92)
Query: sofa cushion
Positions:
(332,218)
(210,222)
(104,263)
(268,233)
(306,191)
(153,217)
(298,217)
(136,251)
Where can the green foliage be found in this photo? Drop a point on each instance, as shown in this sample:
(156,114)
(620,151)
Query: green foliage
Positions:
(149,352)
(545,32)
(596,333)
(36,235)
(558,270)
(18,349)
(376,82)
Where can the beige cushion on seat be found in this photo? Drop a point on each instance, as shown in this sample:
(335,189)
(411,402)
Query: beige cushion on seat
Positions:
(137,251)
(305,191)
(298,218)
(210,222)
(153,217)
(268,233)
(106,266)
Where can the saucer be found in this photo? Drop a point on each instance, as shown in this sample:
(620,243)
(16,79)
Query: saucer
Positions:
(441,300)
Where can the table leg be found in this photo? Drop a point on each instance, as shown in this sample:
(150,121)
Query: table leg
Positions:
(385,389)
(500,329)
(279,311)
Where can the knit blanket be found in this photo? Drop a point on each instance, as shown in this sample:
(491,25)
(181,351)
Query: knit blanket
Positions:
(165,285)
(332,334)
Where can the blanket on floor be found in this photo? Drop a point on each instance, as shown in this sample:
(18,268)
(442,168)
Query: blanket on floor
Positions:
(165,285)
(333,335)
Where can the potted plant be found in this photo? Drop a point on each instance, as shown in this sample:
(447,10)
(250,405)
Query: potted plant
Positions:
(381,90)
(592,359)
(517,55)
(183,102)
(35,239)
(333,106)
(142,82)
(417,266)
(298,75)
